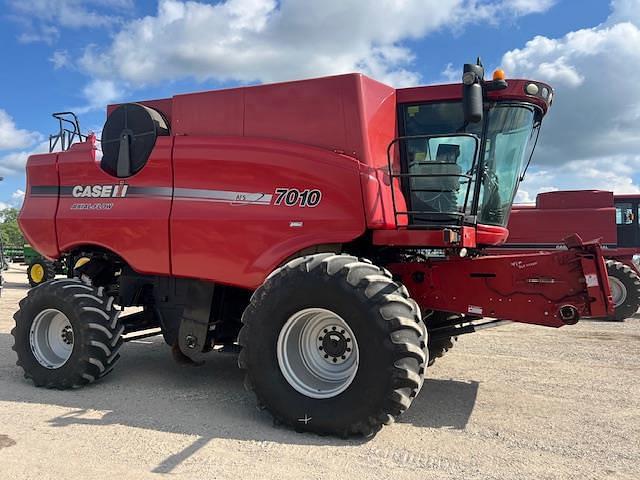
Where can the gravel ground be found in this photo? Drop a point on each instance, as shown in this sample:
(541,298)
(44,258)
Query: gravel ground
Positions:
(514,402)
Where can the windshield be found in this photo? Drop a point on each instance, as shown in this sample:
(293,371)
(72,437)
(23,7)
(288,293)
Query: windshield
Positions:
(507,145)
(508,132)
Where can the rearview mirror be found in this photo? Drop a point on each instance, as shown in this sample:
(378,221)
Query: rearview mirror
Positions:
(472,98)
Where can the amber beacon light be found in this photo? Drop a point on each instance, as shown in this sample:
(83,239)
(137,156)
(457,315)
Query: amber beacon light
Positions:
(498,74)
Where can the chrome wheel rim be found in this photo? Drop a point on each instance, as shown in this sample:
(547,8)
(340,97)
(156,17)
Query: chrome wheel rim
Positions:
(51,338)
(618,291)
(318,353)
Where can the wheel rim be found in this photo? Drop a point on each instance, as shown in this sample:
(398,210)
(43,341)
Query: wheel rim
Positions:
(318,353)
(37,272)
(51,338)
(618,291)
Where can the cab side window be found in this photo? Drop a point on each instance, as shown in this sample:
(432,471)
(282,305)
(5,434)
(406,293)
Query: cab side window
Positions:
(624,214)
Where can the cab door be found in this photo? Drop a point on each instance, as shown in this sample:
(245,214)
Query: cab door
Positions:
(627,226)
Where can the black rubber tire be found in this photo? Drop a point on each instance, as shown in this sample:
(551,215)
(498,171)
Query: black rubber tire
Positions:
(438,346)
(385,321)
(47,266)
(631,282)
(96,329)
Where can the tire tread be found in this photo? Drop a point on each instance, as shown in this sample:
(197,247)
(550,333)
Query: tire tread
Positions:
(398,315)
(100,327)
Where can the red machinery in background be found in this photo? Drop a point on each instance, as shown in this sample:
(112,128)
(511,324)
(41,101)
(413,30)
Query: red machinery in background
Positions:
(613,220)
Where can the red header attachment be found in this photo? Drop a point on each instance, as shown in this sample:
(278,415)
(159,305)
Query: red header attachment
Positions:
(550,288)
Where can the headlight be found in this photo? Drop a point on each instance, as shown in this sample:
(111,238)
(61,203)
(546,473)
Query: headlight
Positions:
(469,78)
(532,89)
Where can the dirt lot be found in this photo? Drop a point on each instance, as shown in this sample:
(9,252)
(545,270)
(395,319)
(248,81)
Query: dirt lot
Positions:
(513,402)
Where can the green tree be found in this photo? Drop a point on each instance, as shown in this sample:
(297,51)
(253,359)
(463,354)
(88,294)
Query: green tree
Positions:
(10,233)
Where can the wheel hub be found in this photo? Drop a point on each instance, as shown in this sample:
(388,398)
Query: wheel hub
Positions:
(334,344)
(67,335)
(317,353)
(618,291)
(37,273)
(51,338)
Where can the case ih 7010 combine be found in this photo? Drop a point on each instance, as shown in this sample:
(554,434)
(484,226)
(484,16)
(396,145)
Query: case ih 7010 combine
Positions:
(613,219)
(330,227)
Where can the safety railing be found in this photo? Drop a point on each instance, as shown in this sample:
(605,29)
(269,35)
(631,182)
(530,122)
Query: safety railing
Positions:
(68,131)
(426,216)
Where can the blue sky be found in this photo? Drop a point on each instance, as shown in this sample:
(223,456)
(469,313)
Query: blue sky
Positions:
(77,54)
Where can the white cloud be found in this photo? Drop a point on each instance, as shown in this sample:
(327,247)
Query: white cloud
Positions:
(17,198)
(451,74)
(42,20)
(60,59)
(12,137)
(591,137)
(613,174)
(98,94)
(70,13)
(524,7)
(18,195)
(43,33)
(14,163)
(625,11)
(269,40)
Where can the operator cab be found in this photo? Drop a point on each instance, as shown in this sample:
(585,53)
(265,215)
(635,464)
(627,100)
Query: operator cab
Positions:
(458,169)
(628,220)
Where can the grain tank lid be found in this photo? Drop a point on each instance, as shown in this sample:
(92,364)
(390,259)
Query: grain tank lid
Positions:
(336,113)
(574,199)
(348,113)
(163,105)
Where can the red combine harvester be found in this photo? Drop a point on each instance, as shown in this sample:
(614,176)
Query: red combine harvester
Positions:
(593,214)
(331,228)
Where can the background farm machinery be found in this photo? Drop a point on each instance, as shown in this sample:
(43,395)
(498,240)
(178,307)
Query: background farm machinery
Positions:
(614,220)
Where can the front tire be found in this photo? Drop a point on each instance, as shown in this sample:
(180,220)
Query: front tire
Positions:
(332,345)
(625,290)
(67,334)
(40,271)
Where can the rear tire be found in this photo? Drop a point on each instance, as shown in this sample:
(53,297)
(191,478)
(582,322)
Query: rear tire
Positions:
(67,334)
(40,271)
(380,322)
(625,290)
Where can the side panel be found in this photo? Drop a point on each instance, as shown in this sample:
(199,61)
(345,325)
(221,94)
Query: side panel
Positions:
(214,113)
(310,112)
(589,213)
(134,226)
(530,226)
(378,127)
(230,225)
(37,217)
